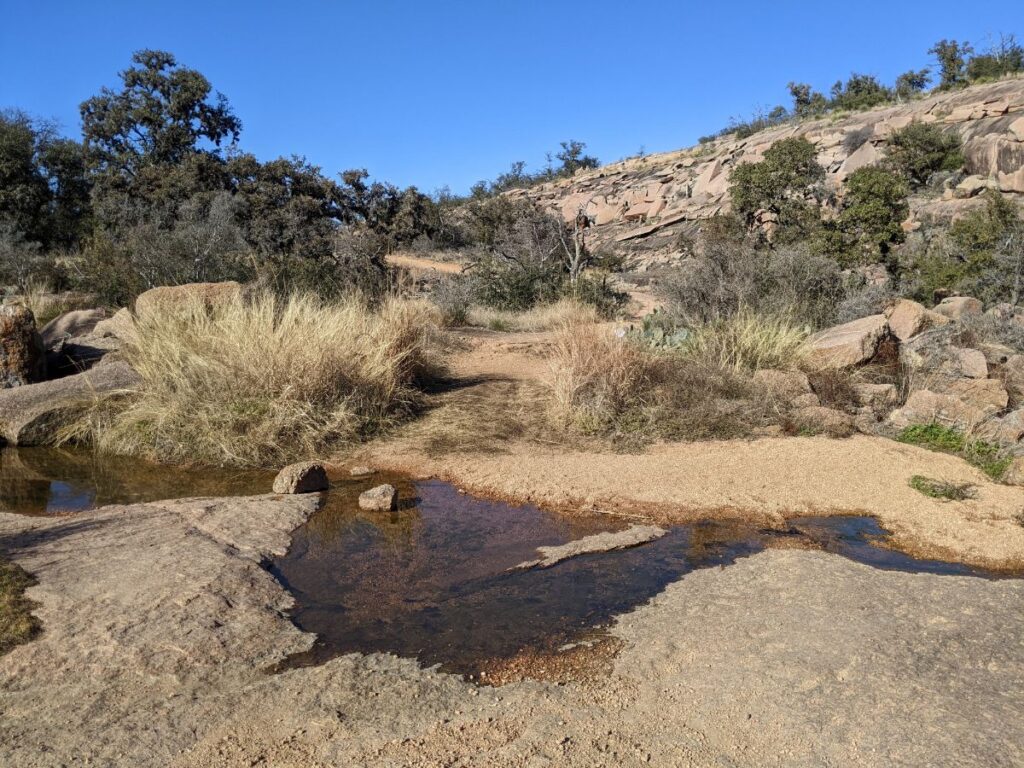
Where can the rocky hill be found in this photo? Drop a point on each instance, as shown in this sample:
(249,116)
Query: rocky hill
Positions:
(644,203)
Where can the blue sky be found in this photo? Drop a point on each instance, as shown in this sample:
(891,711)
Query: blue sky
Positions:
(435,93)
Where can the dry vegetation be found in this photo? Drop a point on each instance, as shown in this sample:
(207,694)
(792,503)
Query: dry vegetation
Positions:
(17,624)
(604,384)
(544,317)
(261,380)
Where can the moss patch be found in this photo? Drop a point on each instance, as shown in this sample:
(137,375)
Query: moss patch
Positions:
(17,624)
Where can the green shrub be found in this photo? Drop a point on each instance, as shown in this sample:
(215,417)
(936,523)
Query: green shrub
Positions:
(784,183)
(921,149)
(873,208)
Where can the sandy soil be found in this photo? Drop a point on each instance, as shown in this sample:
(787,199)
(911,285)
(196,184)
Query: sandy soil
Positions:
(160,626)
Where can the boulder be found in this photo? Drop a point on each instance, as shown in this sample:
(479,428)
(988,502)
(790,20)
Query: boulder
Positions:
(972,363)
(996,354)
(1014,474)
(849,344)
(304,477)
(170,296)
(30,415)
(925,406)
(1008,429)
(120,326)
(22,356)
(958,307)
(1013,376)
(987,395)
(383,498)
(876,396)
(908,318)
(80,322)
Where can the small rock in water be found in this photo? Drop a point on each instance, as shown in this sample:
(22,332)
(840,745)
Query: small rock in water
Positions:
(360,471)
(305,477)
(383,498)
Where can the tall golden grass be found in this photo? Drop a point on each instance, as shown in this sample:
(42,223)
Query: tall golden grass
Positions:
(544,317)
(749,341)
(628,391)
(260,380)
(596,377)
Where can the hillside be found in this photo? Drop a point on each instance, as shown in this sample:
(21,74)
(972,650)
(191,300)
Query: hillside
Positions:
(645,203)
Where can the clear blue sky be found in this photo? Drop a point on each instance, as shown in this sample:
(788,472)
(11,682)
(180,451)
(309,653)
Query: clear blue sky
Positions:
(434,93)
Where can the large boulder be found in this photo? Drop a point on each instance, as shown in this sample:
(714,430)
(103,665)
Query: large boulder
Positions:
(959,307)
(908,318)
(168,297)
(22,356)
(80,322)
(849,344)
(31,415)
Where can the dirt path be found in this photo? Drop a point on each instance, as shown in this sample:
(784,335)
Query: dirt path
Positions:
(159,628)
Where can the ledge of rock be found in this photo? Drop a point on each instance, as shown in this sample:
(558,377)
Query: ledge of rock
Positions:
(30,414)
(599,542)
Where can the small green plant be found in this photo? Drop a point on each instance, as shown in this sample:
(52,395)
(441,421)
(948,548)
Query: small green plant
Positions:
(940,489)
(936,436)
(989,457)
(660,331)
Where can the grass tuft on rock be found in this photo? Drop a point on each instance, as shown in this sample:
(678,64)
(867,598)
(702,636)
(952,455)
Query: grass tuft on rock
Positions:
(17,624)
(989,457)
(263,380)
(940,489)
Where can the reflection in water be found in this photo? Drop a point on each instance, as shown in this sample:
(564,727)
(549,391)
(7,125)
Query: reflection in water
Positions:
(432,581)
(47,481)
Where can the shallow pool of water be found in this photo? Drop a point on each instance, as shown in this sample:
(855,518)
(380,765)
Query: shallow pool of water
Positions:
(49,481)
(432,581)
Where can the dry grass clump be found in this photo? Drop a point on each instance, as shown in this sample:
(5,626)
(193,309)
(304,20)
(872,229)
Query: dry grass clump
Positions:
(614,387)
(544,317)
(748,341)
(17,624)
(260,380)
(597,378)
